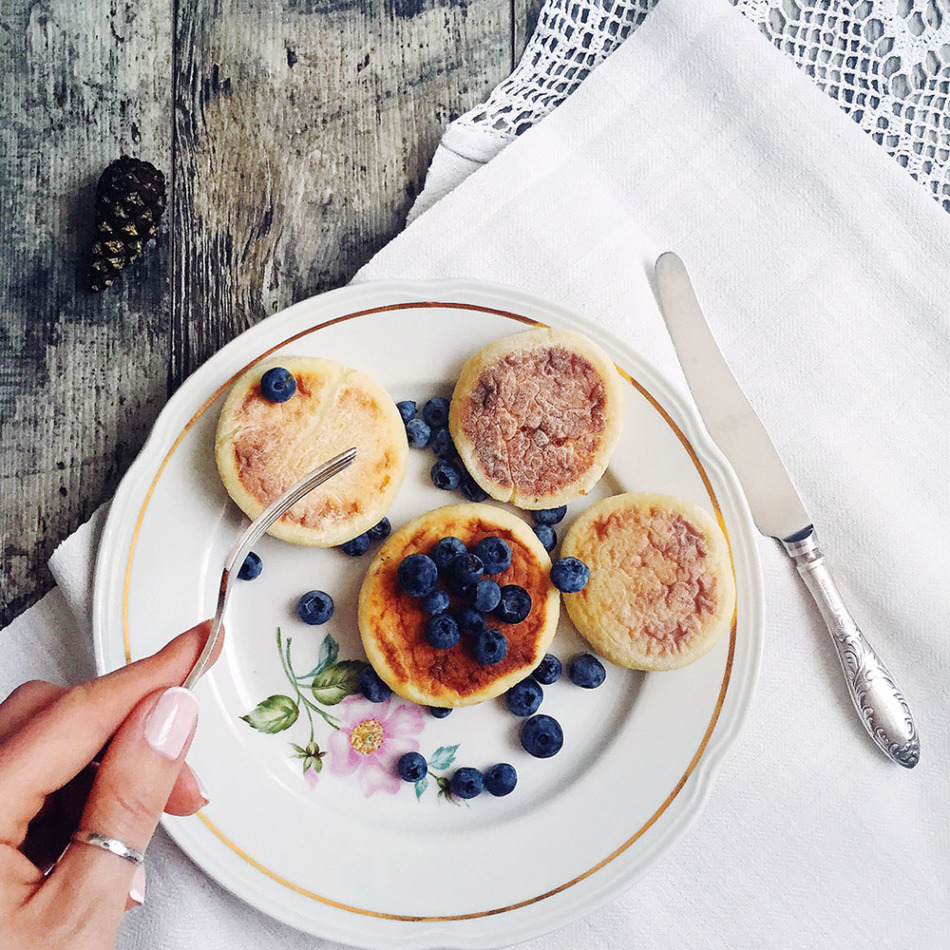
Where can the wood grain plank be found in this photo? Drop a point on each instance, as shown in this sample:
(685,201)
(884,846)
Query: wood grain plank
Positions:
(300,133)
(303,132)
(524,20)
(81,375)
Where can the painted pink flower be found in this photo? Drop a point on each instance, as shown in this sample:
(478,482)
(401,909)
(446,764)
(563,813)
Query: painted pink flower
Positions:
(370,740)
(312,776)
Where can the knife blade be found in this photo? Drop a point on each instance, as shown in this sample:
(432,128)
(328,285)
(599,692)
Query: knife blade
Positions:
(777,508)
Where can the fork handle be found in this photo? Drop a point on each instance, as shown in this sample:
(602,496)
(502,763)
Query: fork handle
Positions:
(253,531)
(877,698)
(204,658)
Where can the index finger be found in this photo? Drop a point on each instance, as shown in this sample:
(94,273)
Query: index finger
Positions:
(59,741)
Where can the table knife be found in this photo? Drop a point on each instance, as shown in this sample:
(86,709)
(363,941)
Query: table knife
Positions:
(778,510)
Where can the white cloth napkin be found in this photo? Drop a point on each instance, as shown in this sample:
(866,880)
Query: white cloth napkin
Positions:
(822,268)
(885,63)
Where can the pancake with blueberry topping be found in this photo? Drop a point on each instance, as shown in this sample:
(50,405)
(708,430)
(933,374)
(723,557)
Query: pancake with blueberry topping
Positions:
(536,416)
(661,591)
(392,622)
(263,446)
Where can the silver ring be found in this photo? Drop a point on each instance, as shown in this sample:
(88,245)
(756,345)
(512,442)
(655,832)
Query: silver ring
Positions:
(113,845)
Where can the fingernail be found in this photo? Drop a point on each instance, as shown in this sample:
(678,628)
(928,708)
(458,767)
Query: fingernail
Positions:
(137,888)
(202,791)
(170,723)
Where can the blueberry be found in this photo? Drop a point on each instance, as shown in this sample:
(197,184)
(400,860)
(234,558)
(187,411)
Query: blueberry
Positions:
(445,551)
(445,475)
(467,569)
(467,783)
(470,620)
(380,531)
(442,631)
(495,554)
(515,604)
(372,687)
(441,443)
(277,385)
(356,547)
(587,671)
(439,712)
(548,671)
(407,409)
(546,535)
(486,596)
(549,515)
(436,602)
(489,646)
(471,489)
(501,779)
(541,736)
(417,575)
(417,432)
(251,567)
(315,607)
(465,591)
(436,412)
(524,698)
(570,575)
(411,767)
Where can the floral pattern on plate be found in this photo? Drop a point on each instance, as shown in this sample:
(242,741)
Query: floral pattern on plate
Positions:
(367,739)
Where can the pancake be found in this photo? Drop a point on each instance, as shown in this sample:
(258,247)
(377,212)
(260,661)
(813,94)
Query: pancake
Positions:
(262,448)
(536,416)
(392,623)
(661,591)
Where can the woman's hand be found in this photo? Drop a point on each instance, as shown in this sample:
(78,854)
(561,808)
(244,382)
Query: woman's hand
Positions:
(138,723)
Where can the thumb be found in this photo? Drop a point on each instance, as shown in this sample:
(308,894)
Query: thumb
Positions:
(132,784)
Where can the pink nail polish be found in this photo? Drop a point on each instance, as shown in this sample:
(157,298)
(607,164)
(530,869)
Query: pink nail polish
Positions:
(137,888)
(171,721)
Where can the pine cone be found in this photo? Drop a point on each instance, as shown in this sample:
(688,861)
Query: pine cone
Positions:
(130,199)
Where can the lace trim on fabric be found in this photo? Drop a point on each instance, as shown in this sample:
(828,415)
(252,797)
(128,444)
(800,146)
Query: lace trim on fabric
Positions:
(885,62)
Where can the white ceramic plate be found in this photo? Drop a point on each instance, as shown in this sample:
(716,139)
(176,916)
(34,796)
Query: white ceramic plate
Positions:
(352,854)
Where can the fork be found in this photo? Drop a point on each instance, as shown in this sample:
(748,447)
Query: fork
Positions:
(254,530)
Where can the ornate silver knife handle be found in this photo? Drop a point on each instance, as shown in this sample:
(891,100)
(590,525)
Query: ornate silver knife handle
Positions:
(877,698)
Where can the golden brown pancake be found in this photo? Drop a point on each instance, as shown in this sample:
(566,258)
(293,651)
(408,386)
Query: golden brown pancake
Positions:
(262,448)
(392,623)
(536,416)
(661,591)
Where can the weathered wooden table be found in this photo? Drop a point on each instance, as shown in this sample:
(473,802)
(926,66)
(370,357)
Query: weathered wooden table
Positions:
(293,134)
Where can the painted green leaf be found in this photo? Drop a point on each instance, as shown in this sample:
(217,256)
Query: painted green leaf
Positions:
(329,650)
(337,681)
(422,785)
(274,714)
(443,757)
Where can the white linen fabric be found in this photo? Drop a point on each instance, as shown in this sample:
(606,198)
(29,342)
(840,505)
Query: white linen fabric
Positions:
(885,62)
(830,302)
